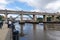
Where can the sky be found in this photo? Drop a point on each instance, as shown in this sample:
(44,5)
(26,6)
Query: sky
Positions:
(31,5)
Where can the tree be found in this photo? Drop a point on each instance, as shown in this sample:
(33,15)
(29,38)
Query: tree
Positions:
(49,18)
(39,19)
(58,17)
(1,18)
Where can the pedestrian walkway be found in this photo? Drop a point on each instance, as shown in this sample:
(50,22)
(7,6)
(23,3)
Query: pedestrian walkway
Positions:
(5,33)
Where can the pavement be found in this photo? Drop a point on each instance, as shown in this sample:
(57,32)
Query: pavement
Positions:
(5,33)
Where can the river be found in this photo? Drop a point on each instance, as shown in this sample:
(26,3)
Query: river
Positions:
(36,32)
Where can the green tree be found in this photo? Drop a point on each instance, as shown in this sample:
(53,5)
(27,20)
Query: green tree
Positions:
(58,17)
(39,19)
(1,18)
(49,18)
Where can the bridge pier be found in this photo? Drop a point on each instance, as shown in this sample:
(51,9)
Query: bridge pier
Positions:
(44,18)
(53,18)
(21,17)
(6,16)
(34,18)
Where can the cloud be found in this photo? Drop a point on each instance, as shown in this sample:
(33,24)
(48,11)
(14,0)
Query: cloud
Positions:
(18,8)
(54,6)
(2,7)
(4,3)
(36,10)
(43,5)
(37,3)
(33,3)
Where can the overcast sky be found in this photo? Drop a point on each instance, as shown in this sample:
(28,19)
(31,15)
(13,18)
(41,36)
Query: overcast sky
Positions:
(31,5)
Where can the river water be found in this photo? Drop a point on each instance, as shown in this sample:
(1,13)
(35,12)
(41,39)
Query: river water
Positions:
(36,32)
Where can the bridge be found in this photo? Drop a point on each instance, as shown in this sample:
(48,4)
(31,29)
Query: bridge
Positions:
(21,13)
(34,19)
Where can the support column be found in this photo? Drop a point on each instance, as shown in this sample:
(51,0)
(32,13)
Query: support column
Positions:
(34,18)
(6,16)
(21,17)
(44,18)
(53,18)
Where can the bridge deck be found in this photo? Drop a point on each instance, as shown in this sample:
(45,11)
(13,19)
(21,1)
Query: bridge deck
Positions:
(5,33)
(26,12)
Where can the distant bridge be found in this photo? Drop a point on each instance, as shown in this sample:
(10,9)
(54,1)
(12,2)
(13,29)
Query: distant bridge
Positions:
(26,12)
(34,19)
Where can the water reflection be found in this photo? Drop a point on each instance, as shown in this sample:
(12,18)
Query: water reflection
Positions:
(52,26)
(34,26)
(36,32)
(21,33)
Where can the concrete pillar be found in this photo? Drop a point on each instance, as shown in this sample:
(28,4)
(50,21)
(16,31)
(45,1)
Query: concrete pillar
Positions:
(6,16)
(44,18)
(53,18)
(34,18)
(21,17)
